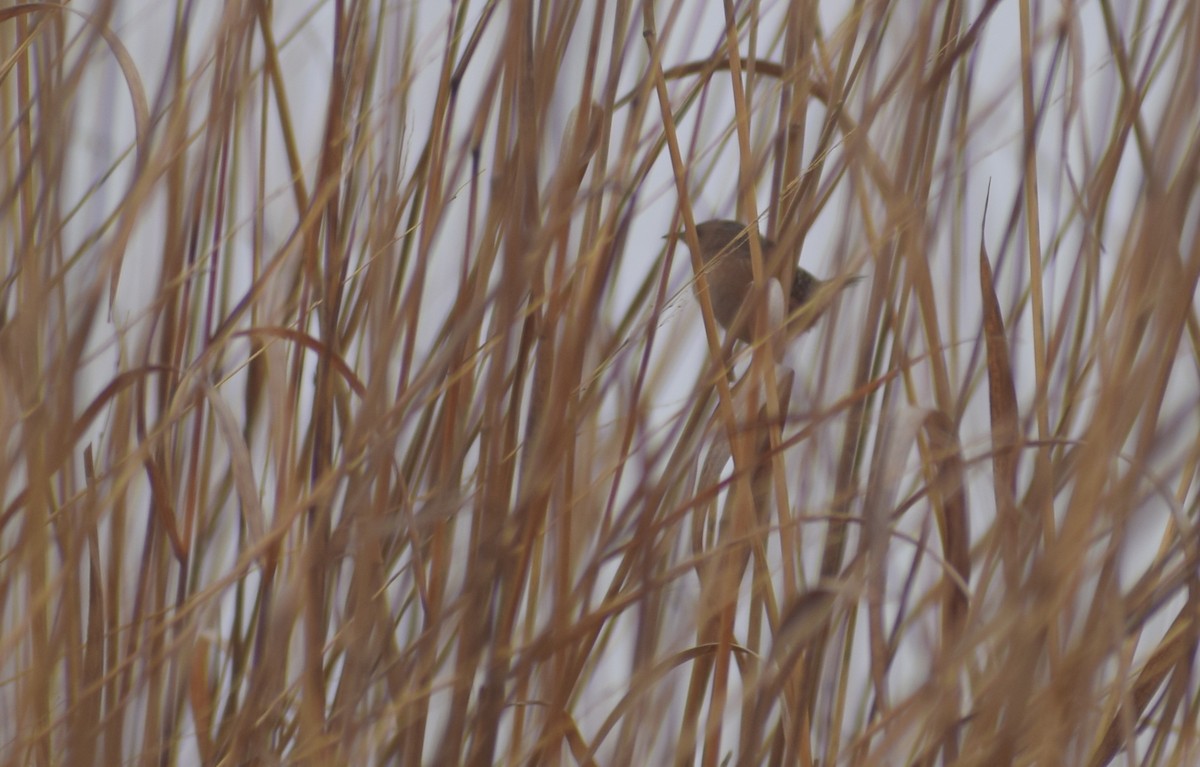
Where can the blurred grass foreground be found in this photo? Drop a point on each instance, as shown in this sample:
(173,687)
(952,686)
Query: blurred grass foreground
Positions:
(355,410)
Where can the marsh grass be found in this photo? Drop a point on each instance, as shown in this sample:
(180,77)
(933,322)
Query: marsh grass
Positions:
(354,411)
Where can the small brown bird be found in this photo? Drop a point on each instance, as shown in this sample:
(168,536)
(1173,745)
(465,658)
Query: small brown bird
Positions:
(725,250)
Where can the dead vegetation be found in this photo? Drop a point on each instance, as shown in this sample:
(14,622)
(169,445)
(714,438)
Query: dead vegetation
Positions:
(356,413)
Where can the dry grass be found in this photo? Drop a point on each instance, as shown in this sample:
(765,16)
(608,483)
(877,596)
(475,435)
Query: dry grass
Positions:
(355,413)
